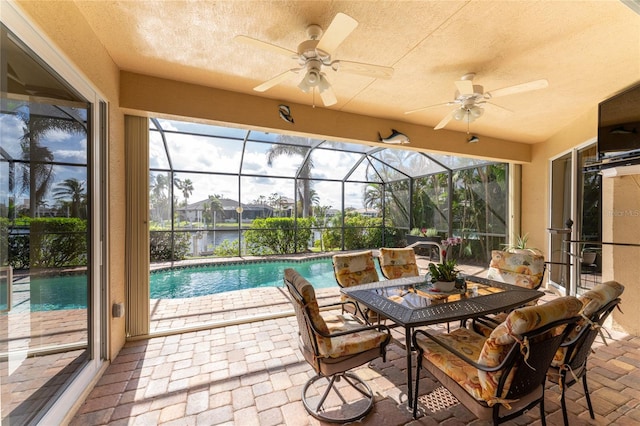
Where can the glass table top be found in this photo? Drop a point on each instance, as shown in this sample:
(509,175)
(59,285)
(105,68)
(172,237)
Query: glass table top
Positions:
(411,301)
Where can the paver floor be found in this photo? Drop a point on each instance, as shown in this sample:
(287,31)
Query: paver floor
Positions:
(253,374)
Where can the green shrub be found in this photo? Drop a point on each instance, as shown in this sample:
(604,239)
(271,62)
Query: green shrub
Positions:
(160,249)
(360,232)
(278,235)
(47,243)
(226,248)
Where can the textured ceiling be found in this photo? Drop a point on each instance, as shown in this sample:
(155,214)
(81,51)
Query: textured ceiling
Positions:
(587,50)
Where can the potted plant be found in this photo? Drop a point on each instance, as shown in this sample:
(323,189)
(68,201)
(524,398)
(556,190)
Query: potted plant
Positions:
(423,234)
(520,246)
(444,275)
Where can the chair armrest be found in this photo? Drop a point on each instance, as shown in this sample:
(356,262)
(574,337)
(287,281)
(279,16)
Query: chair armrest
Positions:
(458,353)
(379,327)
(329,305)
(488,321)
(347,302)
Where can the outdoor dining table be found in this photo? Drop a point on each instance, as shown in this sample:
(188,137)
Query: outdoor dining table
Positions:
(411,302)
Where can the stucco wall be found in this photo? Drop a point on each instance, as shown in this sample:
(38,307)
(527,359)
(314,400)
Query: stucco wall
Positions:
(68,31)
(621,224)
(621,200)
(535,175)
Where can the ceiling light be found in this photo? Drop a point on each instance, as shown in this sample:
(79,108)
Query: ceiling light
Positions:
(459,114)
(310,80)
(476,112)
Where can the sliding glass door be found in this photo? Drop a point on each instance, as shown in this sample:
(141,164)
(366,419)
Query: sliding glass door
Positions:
(49,318)
(575,219)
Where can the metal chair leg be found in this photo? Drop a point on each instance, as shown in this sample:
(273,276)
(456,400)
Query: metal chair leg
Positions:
(586,394)
(347,411)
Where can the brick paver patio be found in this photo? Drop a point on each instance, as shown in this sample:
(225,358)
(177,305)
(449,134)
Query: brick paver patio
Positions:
(253,373)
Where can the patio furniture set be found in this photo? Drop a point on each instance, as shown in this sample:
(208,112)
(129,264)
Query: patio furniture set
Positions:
(495,363)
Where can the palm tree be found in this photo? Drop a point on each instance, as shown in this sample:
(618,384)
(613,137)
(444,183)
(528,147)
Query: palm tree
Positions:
(210,207)
(304,172)
(372,197)
(71,190)
(260,200)
(159,197)
(186,186)
(37,173)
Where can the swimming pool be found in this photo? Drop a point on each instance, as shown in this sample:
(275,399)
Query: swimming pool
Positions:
(70,292)
(203,280)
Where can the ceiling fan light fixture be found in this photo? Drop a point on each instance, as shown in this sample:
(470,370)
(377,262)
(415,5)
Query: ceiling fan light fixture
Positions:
(304,86)
(310,80)
(476,111)
(459,114)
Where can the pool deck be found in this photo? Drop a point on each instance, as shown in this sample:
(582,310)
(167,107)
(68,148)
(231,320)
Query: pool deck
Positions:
(263,311)
(253,373)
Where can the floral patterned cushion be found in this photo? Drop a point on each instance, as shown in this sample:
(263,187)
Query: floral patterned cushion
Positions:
(599,296)
(349,344)
(521,269)
(334,347)
(398,262)
(305,289)
(592,301)
(355,268)
(491,351)
(519,321)
(465,341)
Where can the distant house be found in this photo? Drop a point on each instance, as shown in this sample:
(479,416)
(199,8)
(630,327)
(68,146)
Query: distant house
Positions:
(194,212)
(367,212)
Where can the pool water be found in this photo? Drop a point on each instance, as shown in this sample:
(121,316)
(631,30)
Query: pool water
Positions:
(204,280)
(70,292)
(53,293)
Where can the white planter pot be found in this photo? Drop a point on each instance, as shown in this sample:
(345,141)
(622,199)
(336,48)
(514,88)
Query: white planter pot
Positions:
(444,285)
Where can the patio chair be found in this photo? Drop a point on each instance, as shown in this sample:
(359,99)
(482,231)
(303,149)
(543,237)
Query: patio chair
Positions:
(588,266)
(570,361)
(354,269)
(333,345)
(398,262)
(500,377)
(524,269)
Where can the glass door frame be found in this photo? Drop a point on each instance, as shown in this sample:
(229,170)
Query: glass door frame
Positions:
(573,248)
(23,28)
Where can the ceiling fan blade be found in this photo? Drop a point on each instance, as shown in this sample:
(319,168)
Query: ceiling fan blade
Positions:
(445,120)
(465,87)
(275,80)
(496,107)
(430,106)
(265,46)
(518,88)
(339,29)
(326,92)
(367,70)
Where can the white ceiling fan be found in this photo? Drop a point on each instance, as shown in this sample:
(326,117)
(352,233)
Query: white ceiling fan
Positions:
(470,99)
(315,54)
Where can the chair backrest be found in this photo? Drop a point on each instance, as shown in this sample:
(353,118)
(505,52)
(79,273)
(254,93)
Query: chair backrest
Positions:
(524,269)
(524,346)
(598,304)
(305,305)
(355,268)
(398,262)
